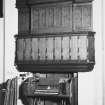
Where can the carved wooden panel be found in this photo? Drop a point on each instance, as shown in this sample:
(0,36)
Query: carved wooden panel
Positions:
(60,17)
(42,17)
(42,48)
(87,17)
(51,18)
(83,46)
(57,48)
(74,48)
(66,16)
(27,49)
(50,48)
(57,16)
(20,49)
(35,19)
(91,54)
(82,17)
(65,48)
(34,48)
(23,20)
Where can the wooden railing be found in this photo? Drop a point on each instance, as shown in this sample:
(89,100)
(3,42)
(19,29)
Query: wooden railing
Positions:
(58,48)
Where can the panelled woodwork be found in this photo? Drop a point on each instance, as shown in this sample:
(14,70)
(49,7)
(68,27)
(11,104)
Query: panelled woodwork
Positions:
(82,17)
(46,19)
(66,48)
(61,17)
(55,33)
(23,20)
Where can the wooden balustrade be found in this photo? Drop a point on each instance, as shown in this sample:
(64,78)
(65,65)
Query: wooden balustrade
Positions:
(64,48)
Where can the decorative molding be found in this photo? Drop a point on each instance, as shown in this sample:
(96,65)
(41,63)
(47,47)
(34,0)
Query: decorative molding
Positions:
(60,34)
(55,68)
(25,3)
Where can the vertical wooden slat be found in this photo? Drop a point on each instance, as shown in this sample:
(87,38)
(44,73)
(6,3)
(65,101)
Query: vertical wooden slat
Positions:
(42,48)
(75,88)
(50,17)
(47,17)
(65,47)
(64,13)
(42,18)
(34,19)
(57,16)
(34,49)
(53,48)
(46,39)
(27,53)
(70,47)
(50,49)
(20,49)
(86,17)
(74,47)
(58,48)
(19,20)
(91,50)
(67,16)
(82,45)
(77,18)
(82,17)
(71,17)
(23,20)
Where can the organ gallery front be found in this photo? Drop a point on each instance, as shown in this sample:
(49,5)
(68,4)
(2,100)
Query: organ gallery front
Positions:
(55,41)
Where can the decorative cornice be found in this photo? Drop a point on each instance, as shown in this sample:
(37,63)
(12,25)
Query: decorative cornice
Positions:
(25,3)
(58,68)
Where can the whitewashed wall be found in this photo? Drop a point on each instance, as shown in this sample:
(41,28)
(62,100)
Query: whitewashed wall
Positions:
(1,48)
(11,28)
(91,84)
(91,90)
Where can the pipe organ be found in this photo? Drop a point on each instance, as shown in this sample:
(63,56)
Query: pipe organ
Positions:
(55,40)
(54,36)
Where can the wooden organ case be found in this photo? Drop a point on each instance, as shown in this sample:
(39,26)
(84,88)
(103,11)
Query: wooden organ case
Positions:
(56,38)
